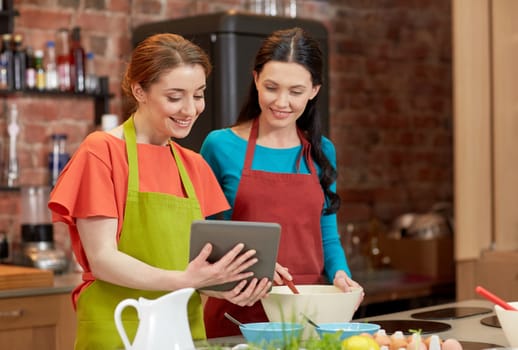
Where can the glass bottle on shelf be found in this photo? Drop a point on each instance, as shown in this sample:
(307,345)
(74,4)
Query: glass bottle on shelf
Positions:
(63,59)
(51,73)
(91,80)
(19,63)
(6,63)
(30,69)
(77,61)
(12,171)
(40,72)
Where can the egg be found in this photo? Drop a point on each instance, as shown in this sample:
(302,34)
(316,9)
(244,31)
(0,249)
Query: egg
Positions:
(398,341)
(433,342)
(382,338)
(451,344)
(415,342)
(397,335)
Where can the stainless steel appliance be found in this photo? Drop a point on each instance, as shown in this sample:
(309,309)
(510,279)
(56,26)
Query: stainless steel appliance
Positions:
(37,233)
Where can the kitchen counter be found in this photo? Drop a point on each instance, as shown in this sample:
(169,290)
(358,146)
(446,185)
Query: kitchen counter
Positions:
(467,329)
(379,285)
(463,329)
(376,284)
(63,283)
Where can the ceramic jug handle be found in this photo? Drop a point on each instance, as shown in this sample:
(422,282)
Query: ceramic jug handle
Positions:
(118,320)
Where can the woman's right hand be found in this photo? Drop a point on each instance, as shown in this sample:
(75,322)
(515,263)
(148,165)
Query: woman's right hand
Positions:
(231,267)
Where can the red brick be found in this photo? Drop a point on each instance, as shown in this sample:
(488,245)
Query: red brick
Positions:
(43,19)
(390,92)
(148,7)
(123,6)
(113,25)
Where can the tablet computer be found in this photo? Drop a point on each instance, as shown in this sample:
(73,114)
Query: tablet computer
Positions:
(264,237)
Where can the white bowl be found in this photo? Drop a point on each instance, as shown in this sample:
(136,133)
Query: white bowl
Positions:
(321,303)
(509,321)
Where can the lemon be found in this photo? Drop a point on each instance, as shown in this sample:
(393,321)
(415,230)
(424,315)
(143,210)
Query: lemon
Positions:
(360,342)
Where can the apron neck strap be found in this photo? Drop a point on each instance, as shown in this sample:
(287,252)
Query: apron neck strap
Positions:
(133,172)
(250,148)
(186,180)
(131,151)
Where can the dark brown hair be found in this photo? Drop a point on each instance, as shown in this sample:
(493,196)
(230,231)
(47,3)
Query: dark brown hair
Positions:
(156,55)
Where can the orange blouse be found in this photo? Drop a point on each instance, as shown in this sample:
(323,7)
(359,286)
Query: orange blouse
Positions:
(95,182)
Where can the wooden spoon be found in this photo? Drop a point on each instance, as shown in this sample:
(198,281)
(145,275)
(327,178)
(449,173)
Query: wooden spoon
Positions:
(493,298)
(291,286)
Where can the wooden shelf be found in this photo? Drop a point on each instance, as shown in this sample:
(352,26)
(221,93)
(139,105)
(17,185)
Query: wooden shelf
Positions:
(101,100)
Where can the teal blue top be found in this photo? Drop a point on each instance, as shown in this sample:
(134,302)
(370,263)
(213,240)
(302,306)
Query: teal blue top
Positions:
(225,153)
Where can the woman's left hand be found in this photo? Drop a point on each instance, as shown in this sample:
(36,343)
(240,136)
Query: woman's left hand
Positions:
(281,274)
(345,283)
(239,295)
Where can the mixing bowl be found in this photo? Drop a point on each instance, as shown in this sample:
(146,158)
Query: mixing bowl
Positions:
(271,333)
(321,303)
(346,329)
(509,320)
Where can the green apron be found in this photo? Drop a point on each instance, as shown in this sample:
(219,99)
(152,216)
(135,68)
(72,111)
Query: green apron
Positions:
(155,230)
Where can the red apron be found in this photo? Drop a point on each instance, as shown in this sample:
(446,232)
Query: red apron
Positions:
(295,201)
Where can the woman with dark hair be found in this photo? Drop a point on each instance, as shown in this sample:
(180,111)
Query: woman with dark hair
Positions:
(275,165)
(129,196)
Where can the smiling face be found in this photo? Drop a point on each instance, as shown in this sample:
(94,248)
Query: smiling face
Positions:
(171,105)
(284,89)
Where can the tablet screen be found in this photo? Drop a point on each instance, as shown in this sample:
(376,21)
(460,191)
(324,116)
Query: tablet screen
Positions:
(264,237)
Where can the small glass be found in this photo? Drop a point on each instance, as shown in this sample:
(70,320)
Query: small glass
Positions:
(290,8)
(254,6)
(272,7)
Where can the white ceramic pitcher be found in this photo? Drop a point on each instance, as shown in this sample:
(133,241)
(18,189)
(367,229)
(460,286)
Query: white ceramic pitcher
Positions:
(163,322)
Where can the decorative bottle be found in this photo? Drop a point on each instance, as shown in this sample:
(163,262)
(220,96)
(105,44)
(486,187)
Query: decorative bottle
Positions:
(40,71)
(19,63)
(51,73)
(91,80)
(6,64)
(77,61)
(12,171)
(30,69)
(63,60)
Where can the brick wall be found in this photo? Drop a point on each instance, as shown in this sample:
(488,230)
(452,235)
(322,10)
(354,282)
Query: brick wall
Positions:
(390,93)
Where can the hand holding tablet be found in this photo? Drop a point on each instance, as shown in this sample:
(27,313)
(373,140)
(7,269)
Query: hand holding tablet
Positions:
(224,235)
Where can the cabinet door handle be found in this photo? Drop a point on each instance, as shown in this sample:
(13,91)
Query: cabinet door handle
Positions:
(11,313)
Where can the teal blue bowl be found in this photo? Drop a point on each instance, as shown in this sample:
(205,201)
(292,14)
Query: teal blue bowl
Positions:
(347,329)
(274,333)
